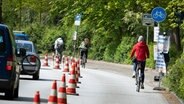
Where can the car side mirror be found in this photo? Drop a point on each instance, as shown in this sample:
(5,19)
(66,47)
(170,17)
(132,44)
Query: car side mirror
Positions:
(21,52)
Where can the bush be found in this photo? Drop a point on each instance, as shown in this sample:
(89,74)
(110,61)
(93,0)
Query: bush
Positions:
(109,52)
(122,53)
(176,77)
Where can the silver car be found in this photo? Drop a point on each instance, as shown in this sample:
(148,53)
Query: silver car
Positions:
(31,63)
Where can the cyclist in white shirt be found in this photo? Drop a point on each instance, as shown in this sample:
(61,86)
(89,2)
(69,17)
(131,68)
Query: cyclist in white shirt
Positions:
(58,46)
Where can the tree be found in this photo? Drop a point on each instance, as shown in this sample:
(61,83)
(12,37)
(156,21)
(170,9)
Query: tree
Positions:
(1,11)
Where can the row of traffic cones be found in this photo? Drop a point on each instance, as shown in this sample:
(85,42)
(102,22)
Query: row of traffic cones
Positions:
(60,96)
(54,97)
(57,62)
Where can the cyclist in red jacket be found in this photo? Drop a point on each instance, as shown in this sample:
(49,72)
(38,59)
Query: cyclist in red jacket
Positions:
(141,52)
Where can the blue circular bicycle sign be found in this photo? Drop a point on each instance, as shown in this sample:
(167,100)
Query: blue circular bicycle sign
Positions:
(158,14)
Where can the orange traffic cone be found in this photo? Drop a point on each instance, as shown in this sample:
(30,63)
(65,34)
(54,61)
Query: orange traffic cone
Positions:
(36,99)
(57,63)
(62,98)
(77,69)
(53,94)
(66,67)
(71,89)
(46,60)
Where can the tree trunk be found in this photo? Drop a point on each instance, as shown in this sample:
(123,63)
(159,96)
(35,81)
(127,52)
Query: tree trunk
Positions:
(177,38)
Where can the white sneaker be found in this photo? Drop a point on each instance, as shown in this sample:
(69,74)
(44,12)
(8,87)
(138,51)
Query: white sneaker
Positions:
(133,76)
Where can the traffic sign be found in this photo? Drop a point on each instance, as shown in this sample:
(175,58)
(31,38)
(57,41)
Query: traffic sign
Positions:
(77,19)
(147,20)
(158,14)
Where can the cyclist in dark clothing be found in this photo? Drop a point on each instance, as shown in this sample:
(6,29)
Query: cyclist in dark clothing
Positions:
(84,46)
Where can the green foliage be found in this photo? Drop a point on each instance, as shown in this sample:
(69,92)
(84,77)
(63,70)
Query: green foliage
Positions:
(176,77)
(36,33)
(150,62)
(122,53)
(109,52)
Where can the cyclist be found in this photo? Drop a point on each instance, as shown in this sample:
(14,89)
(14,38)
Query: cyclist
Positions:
(84,46)
(58,46)
(141,52)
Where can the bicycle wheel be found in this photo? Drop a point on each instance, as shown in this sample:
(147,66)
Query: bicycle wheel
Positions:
(31,64)
(138,77)
(83,60)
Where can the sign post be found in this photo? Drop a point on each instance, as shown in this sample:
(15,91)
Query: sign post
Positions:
(147,21)
(159,14)
(77,23)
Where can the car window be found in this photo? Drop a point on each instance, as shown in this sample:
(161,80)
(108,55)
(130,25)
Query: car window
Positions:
(28,47)
(2,42)
(20,38)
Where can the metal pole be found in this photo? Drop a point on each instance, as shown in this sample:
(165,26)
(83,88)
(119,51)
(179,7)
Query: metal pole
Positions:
(147,34)
(75,41)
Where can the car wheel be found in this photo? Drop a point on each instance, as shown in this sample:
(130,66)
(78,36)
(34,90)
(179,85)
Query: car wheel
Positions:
(9,94)
(16,91)
(36,76)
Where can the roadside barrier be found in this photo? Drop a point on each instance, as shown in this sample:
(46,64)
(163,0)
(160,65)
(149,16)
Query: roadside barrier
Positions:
(62,98)
(46,61)
(53,94)
(57,66)
(71,89)
(36,99)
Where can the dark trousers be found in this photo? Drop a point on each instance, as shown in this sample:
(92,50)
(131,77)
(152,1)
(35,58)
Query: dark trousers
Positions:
(82,52)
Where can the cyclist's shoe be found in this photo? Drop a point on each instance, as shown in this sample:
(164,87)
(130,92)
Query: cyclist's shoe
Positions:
(142,86)
(133,76)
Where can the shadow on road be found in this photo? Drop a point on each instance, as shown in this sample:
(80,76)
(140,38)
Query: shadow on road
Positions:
(39,79)
(23,99)
(30,99)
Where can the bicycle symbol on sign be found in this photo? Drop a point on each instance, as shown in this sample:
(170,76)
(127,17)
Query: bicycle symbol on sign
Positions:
(158,14)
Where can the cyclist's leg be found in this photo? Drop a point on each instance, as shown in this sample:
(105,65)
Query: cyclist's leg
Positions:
(56,52)
(86,53)
(81,54)
(134,69)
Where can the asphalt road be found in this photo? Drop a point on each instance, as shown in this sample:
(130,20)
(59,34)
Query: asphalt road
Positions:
(126,70)
(101,83)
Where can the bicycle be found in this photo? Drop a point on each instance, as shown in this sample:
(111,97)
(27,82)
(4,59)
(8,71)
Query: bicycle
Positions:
(138,76)
(83,61)
(59,55)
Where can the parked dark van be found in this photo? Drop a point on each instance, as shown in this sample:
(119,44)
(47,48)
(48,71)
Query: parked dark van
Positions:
(9,66)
